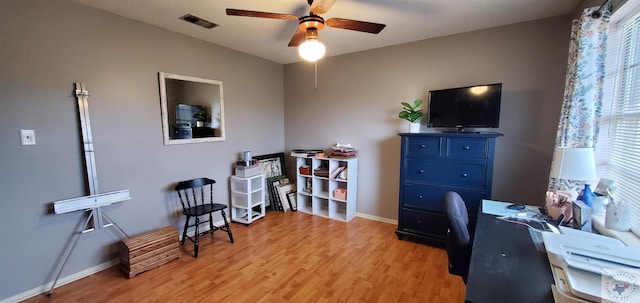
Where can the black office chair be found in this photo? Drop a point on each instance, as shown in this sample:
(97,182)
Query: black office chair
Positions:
(458,239)
(196,197)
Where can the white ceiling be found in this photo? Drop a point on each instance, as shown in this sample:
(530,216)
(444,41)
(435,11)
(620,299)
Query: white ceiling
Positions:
(406,20)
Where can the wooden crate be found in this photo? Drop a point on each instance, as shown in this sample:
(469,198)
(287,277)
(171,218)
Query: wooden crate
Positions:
(149,250)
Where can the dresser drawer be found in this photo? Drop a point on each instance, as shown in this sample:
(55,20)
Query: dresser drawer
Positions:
(430,198)
(422,146)
(423,223)
(422,197)
(468,148)
(469,175)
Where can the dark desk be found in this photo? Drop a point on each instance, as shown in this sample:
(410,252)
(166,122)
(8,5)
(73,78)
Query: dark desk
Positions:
(505,265)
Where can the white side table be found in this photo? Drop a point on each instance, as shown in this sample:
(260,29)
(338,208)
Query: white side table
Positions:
(247,198)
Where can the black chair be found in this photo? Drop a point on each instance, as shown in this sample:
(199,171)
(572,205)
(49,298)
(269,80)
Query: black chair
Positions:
(458,239)
(196,197)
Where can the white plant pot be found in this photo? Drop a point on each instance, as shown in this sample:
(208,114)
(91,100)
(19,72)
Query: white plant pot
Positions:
(199,123)
(414,127)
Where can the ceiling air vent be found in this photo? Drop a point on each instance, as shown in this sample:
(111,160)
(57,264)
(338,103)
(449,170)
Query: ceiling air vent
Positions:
(198,21)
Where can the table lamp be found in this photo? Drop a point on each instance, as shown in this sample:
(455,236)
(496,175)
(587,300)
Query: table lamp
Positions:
(574,163)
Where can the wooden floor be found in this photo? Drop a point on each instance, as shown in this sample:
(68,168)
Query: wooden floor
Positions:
(285,257)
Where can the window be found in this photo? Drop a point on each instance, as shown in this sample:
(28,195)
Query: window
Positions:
(618,151)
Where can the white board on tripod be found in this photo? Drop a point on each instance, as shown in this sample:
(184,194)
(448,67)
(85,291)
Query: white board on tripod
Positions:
(92,201)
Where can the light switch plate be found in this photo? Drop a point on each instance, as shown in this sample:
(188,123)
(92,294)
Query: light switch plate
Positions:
(27,137)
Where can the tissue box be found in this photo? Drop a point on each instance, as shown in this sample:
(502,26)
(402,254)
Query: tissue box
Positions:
(247,171)
(340,194)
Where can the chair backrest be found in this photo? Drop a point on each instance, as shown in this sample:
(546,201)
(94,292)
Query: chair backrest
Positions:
(458,238)
(194,192)
(457,218)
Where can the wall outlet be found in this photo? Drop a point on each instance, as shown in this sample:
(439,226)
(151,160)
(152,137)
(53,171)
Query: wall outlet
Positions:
(27,137)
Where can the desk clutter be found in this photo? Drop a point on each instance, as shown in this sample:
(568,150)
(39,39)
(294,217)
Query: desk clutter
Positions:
(618,216)
(586,267)
(578,208)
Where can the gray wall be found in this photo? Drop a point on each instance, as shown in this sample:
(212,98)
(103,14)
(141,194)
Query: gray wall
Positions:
(358,98)
(49,45)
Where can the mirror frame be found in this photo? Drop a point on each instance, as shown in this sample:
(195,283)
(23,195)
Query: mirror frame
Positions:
(162,77)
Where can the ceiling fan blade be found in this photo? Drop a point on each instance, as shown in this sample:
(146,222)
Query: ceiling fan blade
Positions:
(299,36)
(245,13)
(355,25)
(321,6)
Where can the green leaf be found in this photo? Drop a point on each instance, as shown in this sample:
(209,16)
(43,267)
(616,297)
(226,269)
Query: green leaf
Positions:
(410,112)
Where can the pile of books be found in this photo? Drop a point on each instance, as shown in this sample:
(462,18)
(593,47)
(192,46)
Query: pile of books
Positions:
(305,153)
(321,172)
(343,151)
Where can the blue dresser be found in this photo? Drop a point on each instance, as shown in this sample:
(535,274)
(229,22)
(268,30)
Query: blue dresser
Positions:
(432,164)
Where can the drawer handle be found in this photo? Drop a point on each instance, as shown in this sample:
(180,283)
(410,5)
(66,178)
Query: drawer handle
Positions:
(420,197)
(423,145)
(464,175)
(466,148)
(421,171)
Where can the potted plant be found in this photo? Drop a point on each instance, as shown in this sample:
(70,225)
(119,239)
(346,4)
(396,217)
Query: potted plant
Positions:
(412,114)
(200,116)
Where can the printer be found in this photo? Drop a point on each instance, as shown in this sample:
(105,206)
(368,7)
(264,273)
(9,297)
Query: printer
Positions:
(592,268)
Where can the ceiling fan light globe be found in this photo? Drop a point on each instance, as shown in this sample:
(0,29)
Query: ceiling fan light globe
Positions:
(311,50)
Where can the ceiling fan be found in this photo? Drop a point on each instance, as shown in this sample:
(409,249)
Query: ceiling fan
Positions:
(310,24)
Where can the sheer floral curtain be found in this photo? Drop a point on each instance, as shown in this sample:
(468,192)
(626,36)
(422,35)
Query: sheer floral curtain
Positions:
(582,102)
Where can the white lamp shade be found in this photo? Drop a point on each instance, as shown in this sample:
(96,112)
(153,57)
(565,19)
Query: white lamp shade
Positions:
(573,163)
(311,50)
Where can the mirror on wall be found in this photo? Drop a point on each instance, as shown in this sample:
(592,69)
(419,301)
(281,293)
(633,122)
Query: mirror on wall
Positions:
(192,109)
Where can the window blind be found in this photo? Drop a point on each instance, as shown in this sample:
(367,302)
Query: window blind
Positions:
(618,151)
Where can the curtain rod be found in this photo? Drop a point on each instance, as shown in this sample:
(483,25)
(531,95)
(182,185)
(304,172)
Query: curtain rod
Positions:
(598,13)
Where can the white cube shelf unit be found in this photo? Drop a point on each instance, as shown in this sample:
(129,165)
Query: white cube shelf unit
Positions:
(247,198)
(333,196)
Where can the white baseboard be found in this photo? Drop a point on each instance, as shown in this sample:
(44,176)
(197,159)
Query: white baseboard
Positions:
(62,281)
(376,218)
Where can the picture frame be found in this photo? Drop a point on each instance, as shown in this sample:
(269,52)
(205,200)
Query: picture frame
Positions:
(272,184)
(270,165)
(292,198)
(283,191)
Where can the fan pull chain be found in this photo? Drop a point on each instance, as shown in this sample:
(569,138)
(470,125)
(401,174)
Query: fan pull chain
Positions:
(316,75)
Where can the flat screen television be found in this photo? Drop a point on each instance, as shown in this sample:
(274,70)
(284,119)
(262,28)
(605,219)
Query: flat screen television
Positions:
(465,107)
(185,112)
